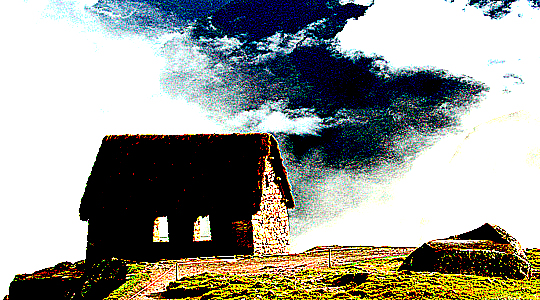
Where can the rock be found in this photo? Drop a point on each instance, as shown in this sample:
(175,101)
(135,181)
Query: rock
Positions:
(101,278)
(183,292)
(493,233)
(357,278)
(82,280)
(485,251)
(58,282)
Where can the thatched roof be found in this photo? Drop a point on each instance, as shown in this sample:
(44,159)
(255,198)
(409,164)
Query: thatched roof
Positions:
(141,174)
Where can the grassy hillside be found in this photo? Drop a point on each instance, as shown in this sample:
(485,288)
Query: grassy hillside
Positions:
(375,278)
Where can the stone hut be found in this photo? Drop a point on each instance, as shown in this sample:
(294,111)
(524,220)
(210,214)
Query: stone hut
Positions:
(152,197)
(485,251)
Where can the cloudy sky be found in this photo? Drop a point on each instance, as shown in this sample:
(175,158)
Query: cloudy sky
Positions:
(69,78)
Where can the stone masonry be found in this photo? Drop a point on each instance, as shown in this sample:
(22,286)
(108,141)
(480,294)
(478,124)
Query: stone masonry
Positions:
(271,222)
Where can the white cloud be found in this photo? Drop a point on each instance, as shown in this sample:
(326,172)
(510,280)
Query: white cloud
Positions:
(267,120)
(279,122)
(441,34)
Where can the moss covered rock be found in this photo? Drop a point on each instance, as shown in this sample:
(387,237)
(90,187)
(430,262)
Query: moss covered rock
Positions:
(485,251)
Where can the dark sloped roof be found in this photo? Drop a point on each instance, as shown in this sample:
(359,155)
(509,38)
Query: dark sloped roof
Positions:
(138,174)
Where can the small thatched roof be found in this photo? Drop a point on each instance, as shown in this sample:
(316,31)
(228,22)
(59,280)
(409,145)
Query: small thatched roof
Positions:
(138,174)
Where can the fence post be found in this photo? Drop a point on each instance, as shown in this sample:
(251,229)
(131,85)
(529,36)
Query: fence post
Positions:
(329,257)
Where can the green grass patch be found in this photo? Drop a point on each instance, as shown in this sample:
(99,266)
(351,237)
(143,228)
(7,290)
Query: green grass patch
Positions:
(533,255)
(138,275)
(383,282)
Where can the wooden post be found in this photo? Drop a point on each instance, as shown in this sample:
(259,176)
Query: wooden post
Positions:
(329,257)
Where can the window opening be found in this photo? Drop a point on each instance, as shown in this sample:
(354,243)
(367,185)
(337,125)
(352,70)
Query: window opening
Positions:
(161,230)
(201,231)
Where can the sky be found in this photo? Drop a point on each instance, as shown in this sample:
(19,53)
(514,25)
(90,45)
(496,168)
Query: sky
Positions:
(68,80)
(484,172)
(469,175)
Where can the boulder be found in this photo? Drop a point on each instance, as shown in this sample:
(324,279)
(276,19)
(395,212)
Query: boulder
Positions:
(485,251)
(58,282)
(101,278)
(82,280)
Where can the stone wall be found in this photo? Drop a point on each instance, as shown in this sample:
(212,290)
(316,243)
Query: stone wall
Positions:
(243,235)
(271,222)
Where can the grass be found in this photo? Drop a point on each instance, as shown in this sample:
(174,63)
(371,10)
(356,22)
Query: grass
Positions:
(383,282)
(534,257)
(316,284)
(138,274)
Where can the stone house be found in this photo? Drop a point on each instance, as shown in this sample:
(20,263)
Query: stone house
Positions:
(152,197)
